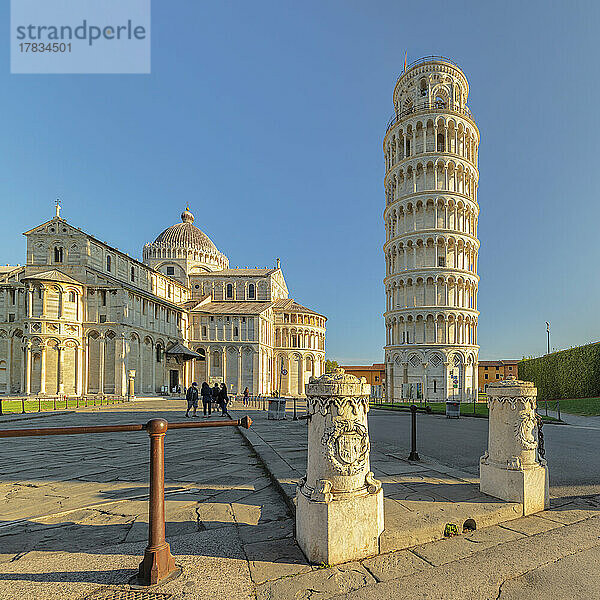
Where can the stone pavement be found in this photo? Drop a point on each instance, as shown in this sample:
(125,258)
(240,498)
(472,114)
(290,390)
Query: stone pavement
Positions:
(74,519)
(518,557)
(420,499)
(74,509)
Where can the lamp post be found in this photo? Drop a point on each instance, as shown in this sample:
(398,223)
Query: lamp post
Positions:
(548,332)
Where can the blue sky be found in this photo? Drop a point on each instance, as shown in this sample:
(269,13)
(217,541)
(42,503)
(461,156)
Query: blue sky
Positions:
(268,118)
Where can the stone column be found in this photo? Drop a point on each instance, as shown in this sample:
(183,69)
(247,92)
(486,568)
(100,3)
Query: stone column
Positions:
(101,366)
(61,369)
(339,514)
(43,369)
(27,368)
(239,374)
(511,469)
(79,368)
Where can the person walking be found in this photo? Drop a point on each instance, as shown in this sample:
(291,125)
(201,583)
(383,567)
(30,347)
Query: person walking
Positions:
(215,396)
(223,399)
(206,394)
(192,399)
(246,397)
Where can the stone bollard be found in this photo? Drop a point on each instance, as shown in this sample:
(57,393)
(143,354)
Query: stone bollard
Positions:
(511,469)
(339,503)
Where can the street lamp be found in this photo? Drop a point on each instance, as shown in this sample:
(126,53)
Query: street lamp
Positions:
(548,332)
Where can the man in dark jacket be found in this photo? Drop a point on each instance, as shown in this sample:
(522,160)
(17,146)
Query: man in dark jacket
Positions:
(223,399)
(206,394)
(192,399)
(215,395)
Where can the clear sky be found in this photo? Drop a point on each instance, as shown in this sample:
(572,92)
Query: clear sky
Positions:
(268,118)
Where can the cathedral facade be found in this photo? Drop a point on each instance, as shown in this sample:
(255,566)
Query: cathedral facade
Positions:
(81,317)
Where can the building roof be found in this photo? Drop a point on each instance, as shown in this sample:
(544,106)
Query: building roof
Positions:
(186,235)
(373,367)
(290,305)
(181,350)
(238,272)
(53,275)
(497,363)
(233,308)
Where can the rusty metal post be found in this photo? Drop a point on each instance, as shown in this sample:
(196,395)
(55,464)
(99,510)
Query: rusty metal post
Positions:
(23,406)
(39,404)
(54,402)
(158,562)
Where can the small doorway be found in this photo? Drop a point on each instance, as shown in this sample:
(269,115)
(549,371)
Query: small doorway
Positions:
(173,379)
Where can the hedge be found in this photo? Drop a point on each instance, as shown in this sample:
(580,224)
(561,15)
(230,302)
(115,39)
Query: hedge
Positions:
(573,373)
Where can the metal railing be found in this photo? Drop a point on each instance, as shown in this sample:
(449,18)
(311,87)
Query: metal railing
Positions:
(158,563)
(426,107)
(60,402)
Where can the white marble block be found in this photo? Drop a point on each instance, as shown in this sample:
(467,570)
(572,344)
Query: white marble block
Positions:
(511,468)
(339,504)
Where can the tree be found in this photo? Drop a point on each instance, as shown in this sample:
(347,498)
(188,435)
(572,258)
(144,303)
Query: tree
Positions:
(330,365)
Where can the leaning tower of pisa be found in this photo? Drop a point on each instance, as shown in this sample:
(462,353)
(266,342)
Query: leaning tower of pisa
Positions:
(431,246)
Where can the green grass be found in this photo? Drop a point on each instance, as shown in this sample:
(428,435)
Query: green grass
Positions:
(466,408)
(33,405)
(585,407)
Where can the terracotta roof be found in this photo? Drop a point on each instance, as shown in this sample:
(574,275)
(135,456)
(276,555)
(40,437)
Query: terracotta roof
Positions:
(373,367)
(290,305)
(238,272)
(233,308)
(497,363)
(53,275)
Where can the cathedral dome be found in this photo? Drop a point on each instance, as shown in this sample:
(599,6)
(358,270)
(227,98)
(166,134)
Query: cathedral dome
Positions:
(186,235)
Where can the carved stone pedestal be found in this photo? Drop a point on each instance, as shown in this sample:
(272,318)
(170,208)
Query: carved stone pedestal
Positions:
(339,511)
(511,469)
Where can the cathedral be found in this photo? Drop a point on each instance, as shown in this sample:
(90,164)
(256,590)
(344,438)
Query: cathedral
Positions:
(82,317)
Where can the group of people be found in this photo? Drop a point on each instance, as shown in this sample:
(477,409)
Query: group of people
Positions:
(209,395)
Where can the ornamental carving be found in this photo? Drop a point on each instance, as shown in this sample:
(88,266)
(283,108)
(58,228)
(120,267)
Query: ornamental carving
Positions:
(322,493)
(346,446)
(323,404)
(512,400)
(524,429)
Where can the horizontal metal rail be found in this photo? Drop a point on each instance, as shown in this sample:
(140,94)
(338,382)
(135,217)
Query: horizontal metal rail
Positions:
(158,563)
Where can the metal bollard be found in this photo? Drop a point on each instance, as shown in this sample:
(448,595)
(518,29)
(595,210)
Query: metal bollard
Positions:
(414,455)
(295,417)
(558,409)
(1,413)
(39,404)
(23,406)
(54,402)
(158,561)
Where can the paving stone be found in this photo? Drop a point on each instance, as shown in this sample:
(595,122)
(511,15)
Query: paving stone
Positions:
(455,548)
(530,525)
(395,564)
(275,559)
(273,530)
(317,585)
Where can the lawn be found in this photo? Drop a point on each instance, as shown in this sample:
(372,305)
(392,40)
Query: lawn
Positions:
(38,405)
(466,408)
(586,407)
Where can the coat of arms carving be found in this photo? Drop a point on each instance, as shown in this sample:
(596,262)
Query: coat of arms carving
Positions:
(346,445)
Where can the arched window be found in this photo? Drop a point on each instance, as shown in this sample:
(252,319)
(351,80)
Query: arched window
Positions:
(71,296)
(251,292)
(132,274)
(158,353)
(108,263)
(440,142)
(440,102)
(58,254)
(236,332)
(229,291)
